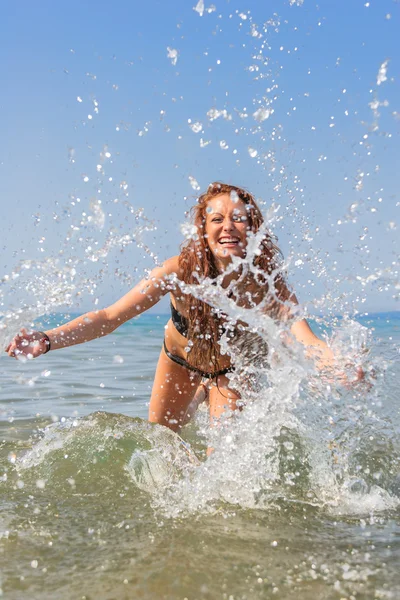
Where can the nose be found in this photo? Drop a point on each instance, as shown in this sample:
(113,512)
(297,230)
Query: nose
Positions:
(228,224)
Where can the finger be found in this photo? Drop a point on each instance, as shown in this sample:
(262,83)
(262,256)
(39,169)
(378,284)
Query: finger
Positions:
(22,334)
(360,373)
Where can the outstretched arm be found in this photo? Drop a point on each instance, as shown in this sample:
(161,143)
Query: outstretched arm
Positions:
(99,323)
(316,348)
(301,330)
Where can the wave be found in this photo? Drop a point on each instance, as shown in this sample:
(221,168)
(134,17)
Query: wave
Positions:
(262,457)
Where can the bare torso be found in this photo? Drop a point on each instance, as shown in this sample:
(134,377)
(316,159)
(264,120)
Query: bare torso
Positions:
(247,293)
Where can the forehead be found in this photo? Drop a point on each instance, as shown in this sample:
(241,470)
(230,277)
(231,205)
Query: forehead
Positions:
(224,204)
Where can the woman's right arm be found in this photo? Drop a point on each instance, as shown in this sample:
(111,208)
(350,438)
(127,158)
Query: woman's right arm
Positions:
(99,323)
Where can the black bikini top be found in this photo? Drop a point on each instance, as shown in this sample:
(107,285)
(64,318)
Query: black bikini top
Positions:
(180,322)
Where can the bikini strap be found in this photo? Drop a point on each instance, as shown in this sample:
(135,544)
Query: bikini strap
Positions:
(180,322)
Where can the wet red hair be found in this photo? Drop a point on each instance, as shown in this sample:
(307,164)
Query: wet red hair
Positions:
(196,261)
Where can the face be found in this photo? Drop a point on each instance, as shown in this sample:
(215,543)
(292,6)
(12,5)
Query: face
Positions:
(226,228)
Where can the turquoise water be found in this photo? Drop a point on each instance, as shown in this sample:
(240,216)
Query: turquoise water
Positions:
(95,502)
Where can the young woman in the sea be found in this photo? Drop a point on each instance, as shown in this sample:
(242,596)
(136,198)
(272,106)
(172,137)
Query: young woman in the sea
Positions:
(223,216)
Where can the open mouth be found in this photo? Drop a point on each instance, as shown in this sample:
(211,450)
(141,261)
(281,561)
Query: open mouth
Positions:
(230,242)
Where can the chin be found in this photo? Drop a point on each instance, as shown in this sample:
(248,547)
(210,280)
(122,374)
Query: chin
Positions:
(228,254)
(238,251)
(225,256)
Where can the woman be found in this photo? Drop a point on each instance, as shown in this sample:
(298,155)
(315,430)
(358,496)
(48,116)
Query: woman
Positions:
(224,216)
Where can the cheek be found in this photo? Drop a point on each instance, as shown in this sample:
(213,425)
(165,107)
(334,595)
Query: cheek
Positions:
(208,240)
(209,234)
(244,229)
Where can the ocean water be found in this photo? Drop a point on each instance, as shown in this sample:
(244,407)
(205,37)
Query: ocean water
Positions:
(299,500)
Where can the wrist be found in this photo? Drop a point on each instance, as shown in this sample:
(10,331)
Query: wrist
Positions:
(44,339)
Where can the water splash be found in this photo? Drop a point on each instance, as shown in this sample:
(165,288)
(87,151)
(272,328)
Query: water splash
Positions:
(61,280)
(299,437)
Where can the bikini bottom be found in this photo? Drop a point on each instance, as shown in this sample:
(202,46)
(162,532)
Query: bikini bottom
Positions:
(181,361)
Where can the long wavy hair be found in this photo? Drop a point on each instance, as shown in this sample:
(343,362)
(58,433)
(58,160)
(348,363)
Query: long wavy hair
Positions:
(197,261)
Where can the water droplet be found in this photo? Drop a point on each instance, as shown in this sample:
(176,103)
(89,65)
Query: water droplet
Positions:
(204,143)
(196,127)
(261,114)
(193,182)
(172,54)
(288,445)
(214,113)
(381,77)
(199,8)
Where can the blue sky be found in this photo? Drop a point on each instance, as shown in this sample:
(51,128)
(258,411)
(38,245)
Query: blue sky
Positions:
(92,107)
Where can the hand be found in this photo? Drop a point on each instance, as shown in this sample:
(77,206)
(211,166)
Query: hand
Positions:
(27,345)
(329,365)
(361,377)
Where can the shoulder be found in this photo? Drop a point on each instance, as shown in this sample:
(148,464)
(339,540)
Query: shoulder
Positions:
(167,268)
(171,265)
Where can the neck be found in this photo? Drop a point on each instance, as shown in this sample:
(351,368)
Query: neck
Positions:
(230,276)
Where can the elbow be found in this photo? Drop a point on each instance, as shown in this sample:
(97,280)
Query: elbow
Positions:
(111,321)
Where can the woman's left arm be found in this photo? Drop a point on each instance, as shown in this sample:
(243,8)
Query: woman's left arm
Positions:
(316,348)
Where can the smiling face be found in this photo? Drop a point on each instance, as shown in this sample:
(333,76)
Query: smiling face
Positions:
(226,228)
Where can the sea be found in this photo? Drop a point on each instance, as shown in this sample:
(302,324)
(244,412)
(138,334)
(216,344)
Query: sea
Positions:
(299,500)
